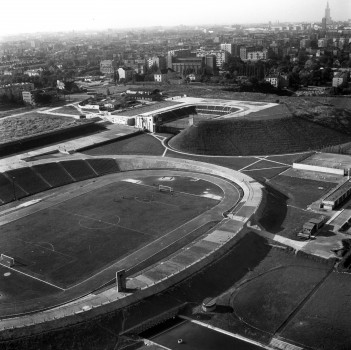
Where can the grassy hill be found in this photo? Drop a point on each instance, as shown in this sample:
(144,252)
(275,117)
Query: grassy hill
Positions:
(242,136)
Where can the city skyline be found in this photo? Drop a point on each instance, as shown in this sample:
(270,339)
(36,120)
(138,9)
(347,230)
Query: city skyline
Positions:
(21,16)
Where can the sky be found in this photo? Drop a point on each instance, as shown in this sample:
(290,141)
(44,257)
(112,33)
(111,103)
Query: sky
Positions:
(28,16)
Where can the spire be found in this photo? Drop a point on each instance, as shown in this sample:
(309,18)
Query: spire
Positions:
(327,4)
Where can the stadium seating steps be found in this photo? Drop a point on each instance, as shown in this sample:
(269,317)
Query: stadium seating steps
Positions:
(22,182)
(28,180)
(104,166)
(7,191)
(79,169)
(54,174)
(238,137)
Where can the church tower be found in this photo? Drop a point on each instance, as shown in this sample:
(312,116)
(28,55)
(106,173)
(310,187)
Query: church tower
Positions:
(327,14)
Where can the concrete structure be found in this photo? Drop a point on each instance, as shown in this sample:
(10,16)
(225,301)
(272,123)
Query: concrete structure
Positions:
(336,164)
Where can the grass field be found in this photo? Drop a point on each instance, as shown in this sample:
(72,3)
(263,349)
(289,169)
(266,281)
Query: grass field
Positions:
(324,321)
(302,192)
(68,242)
(13,128)
(67,110)
(268,300)
(140,144)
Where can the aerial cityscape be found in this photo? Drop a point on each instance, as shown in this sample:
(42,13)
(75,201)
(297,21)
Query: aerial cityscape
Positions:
(175,175)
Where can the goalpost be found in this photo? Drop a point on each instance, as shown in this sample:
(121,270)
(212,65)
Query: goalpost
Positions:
(7,260)
(163,188)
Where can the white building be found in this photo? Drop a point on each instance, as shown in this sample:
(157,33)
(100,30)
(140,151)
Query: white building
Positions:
(221,56)
(126,73)
(340,79)
(228,47)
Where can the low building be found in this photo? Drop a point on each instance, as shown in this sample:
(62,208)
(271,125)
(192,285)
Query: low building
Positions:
(340,79)
(29,97)
(338,196)
(161,76)
(278,80)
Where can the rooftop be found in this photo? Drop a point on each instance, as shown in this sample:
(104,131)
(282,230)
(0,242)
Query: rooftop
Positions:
(329,160)
(338,192)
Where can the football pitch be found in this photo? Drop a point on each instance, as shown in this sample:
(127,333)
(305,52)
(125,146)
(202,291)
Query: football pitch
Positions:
(67,243)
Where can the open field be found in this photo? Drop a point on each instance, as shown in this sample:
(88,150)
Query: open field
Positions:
(268,300)
(139,144)
(67,110)
(14,128)
(302,192)
(323,322)
(93,230)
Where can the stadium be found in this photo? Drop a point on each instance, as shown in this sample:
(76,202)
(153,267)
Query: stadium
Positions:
(99,224)
(79,229)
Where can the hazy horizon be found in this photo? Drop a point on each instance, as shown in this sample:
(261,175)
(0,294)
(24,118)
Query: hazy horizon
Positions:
(23,16)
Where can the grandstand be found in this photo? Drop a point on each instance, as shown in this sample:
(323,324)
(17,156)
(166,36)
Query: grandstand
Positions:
(9,190)
(215,110)
(242,136)
(103,166)
(54,174)
(79,169)
(28,180)
(18,183)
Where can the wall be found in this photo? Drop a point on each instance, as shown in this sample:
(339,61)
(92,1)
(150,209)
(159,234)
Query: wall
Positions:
(318,169)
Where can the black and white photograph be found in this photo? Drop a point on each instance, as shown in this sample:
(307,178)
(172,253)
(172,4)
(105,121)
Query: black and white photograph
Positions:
(175,175)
